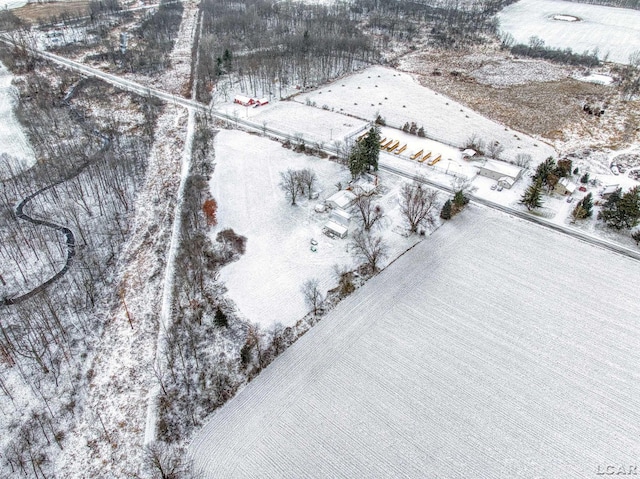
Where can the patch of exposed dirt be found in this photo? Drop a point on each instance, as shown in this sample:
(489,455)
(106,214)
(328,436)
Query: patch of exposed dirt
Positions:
(35,12)
(535,97)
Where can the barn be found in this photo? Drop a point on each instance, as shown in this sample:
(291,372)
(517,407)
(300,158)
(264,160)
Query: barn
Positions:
(244,100)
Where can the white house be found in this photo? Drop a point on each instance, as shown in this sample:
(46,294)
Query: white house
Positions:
(565,186)
(342,199)
(499,170)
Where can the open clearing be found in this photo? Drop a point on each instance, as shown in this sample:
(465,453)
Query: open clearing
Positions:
(494,349)
(399,99)
(265,282)
(13,141)
(613,31)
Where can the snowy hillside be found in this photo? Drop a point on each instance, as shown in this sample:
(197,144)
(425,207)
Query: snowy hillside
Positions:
(493,349)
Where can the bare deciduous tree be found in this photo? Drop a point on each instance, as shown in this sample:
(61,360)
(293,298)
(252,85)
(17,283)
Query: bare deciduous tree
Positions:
(369,248)
(417,203)
(290,184)
(165,462)
(370,214)
(306,179)
(312,294)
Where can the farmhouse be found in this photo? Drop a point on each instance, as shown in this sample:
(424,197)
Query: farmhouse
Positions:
(565,186)
(500,171)
(342,199)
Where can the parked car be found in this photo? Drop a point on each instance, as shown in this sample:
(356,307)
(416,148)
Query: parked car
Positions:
(582,188)
(569,199)
(494,186)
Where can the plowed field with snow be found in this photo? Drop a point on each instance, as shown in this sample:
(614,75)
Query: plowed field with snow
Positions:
(614,31)
(493,349)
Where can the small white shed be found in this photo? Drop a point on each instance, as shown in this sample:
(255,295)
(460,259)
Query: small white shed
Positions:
(336,229)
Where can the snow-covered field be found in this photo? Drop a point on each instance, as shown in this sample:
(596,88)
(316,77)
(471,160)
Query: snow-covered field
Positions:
(9,4)
(313,125)
(265,282)
(398,98)
(494,349)
(15,152)
(614,31)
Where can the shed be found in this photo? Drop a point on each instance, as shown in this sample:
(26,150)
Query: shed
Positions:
(336,229)
(565,186)
(496,170)
(342,199)
(263,101)
(468,154)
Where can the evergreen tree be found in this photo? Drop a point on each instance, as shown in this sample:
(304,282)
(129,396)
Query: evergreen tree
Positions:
(445,212)
(587,204)
(636,236)
(622,210)
(356,161)
(221,319)
(584,179)
(575,170)
(371,147)
(405,128)
(544,169)
(459,199)
(532,197)
(421,132)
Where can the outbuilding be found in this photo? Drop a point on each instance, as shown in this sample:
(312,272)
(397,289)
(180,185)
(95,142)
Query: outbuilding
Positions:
(335,229)
(244,100)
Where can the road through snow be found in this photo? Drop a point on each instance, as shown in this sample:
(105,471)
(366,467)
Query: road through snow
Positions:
(495,348)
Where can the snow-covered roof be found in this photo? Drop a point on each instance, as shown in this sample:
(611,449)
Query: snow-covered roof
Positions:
(568,185)
(336,228)
(340,216)
(469,152)
(341,199)
(242,99)
(507,180)
(502,168)
(609,189)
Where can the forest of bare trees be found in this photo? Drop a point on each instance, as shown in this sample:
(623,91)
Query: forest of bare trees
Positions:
(86,179)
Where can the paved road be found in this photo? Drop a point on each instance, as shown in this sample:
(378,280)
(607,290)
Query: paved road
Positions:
(186,103)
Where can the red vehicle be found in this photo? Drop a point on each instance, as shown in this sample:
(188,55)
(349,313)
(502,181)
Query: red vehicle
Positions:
(582,188)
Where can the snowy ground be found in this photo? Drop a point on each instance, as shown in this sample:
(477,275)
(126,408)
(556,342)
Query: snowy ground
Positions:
(265,282)
(313,125)
(9,4)
(15,152)
(614,31)
(492,349)
(398,98)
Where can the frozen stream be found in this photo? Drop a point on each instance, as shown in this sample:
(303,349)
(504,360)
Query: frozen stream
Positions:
(16,154)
